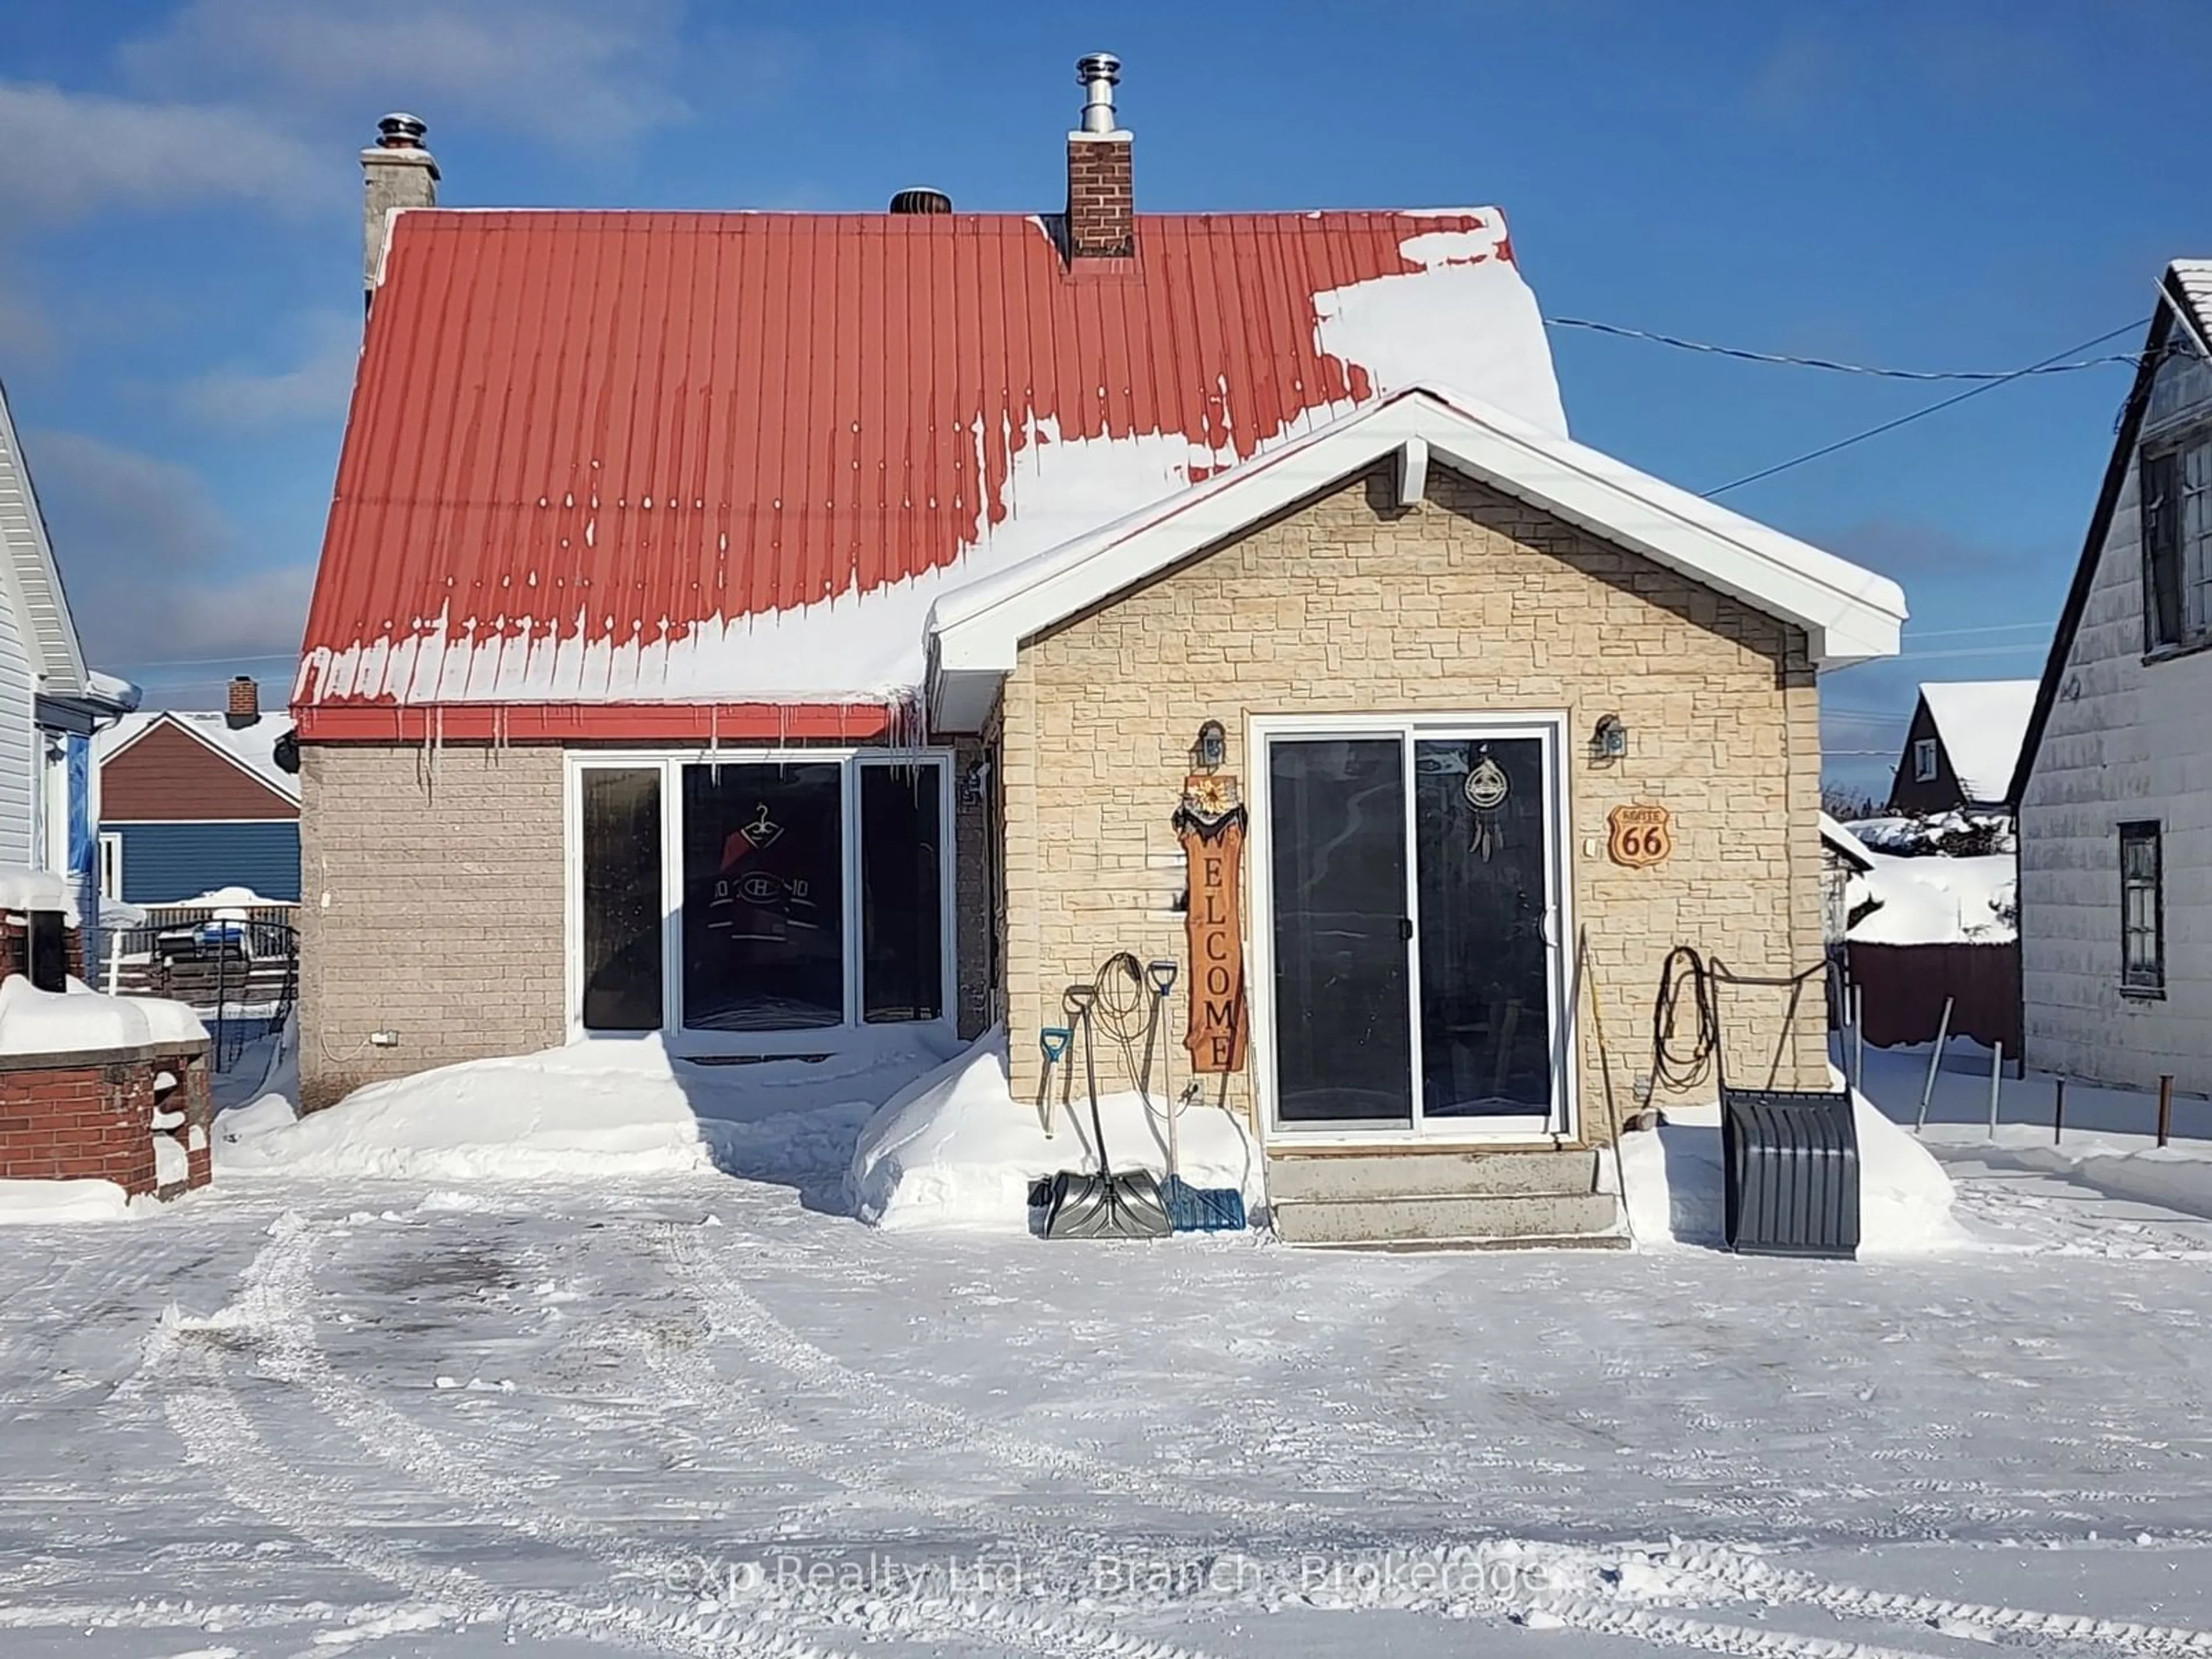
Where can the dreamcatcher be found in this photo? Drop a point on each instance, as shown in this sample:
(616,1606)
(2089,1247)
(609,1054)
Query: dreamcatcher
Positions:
(1485,790)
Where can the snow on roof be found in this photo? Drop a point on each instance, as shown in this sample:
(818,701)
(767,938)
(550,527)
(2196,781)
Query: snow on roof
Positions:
(1982,723)
(112,688)
(253,746)
(1938,901)
(1850,614)
(741,453)
(1843,841)
(2194,278)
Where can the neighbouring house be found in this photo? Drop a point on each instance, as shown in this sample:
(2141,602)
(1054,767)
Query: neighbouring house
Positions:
(190,802)
(51,702)
(2115,781)
(1843,855)
(747,630)
(1962,746)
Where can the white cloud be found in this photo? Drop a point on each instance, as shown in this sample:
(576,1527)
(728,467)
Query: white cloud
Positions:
(152,568)
(575,70)
(315,387)
(69,152)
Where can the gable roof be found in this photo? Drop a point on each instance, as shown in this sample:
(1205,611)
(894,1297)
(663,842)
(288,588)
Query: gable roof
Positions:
(2186,294)
(634,459)
(1981,724)
(34,583)
(252,749)
(1849,614)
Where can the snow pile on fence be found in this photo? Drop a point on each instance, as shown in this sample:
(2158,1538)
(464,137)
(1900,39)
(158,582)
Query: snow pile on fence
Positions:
(1675,1194)
(82,1020)
(48,1203)
(956,1150)
(1938,901)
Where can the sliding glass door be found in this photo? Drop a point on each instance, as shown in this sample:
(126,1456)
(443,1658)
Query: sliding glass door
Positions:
(1413,937)
(732,901)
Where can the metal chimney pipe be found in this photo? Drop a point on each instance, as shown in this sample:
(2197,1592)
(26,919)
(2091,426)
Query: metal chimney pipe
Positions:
(1098,73)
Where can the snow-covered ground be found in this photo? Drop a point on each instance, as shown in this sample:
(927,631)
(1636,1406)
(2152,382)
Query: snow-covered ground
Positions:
(697,1413)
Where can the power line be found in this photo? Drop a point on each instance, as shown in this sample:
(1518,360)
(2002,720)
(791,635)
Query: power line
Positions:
(2043,622)
(1930,408)
(206,662)
(1995,377)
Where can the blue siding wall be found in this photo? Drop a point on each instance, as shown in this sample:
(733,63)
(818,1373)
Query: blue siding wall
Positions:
(163,863)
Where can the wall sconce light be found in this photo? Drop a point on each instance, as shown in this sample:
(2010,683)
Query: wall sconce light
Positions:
(1610,740)
(1209,753)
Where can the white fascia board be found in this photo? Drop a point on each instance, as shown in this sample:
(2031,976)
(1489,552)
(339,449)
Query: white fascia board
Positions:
(1850,614)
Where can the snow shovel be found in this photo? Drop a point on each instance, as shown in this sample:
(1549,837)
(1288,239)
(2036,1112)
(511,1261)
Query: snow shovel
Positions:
(1053,1040)
(1105,1204)
(1191,1209)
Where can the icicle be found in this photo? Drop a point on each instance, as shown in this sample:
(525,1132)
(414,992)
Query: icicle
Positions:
(714,743)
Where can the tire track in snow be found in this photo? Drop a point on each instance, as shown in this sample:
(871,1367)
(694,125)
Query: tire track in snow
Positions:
(1756,1580)
(279,1284)
(735,1312)
(216,1434)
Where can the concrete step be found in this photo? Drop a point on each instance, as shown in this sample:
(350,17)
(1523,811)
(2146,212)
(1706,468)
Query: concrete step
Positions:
(1431,1174)
(1523,1218)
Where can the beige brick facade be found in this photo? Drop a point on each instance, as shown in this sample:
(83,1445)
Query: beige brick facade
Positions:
(434,896)
(1470,603)
(431,888)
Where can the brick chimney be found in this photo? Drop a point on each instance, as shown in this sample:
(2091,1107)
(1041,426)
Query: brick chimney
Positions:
(245,706)
(1102,213)
(396,172)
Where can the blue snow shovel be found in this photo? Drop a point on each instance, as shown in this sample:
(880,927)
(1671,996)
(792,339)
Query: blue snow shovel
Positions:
(1192,1209)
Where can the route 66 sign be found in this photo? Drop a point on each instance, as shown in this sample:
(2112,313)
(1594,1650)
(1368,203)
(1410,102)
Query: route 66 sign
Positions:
(1641,836)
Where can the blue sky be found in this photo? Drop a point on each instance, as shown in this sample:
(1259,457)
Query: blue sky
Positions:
(1929,184)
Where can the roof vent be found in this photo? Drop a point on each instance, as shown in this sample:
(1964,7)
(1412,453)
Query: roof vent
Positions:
(1098,73)
(400,131)
(921,201)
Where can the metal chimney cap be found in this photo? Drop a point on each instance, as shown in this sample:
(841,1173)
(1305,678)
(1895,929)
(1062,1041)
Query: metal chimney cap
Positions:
(1098,73)
(400,131)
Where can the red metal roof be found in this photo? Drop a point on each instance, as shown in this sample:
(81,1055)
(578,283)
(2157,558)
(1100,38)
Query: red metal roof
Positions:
(613,461)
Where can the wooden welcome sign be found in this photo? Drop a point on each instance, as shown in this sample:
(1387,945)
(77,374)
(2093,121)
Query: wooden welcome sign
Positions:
(1211,825)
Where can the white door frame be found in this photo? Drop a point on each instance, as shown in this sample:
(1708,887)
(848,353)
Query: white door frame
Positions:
(1561,1125)
(670,764)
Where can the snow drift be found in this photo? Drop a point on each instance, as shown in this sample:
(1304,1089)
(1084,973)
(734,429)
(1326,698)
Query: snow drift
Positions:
(52,1203)
(956,1150)
(595,1110)
(1675,1195)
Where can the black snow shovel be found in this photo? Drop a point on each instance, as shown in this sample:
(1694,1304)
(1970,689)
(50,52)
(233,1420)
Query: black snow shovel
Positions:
(1104,1204)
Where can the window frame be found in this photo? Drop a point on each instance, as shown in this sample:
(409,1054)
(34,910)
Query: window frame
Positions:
(2161,467)
(2152,982)
(1927,763)
(686,1042)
